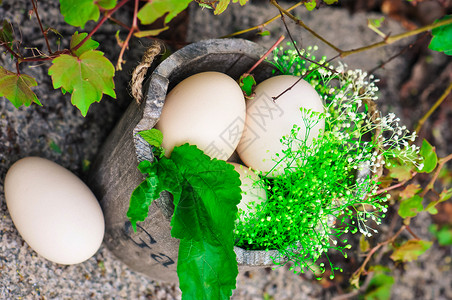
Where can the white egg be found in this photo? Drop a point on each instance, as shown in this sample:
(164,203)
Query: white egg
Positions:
(267,121)
(207,110)
(252,193)
(53,210)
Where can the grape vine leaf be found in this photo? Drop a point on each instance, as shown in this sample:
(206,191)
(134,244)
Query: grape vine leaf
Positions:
(17,88)
(87,77)
(6,33)
(411,207)
(410,250)
(441,40)
(90,44)
(78,12)
(223,4)
(155,9)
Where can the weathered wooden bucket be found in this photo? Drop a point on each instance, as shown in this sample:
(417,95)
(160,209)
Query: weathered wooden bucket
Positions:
(114,174)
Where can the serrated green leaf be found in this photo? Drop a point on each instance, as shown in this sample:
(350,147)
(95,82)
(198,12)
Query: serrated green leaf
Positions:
(410,250)
(247,84)
(430,159)
(107,4)
(87,77)
(310,5)
(442,40)
(400,172)
(155,9)
(78,12)
(90,44)
(17,88)
(431,209)
(153,136)
(221,6)
(204,221)
(411,207)
(380,285)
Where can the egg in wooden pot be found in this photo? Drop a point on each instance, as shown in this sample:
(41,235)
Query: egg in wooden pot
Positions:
(53,210)
(207,110)
(268,120)
(253,193)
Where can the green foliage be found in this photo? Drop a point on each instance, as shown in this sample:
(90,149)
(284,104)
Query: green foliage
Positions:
(429,156)
(442,40)
(411,207)
(247,84)
(223,4)
(6,33)
(79,12)
(17,88)
(77,38)
(155,9)
(206,193)
(380,285)
(311,4)
(443,196)
(87,77)
(154,137)
(443,234)
(410,250)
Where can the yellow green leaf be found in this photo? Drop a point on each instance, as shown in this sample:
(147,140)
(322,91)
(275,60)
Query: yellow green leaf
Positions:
(410,250)
(152,32)
(17,88)
(155,9)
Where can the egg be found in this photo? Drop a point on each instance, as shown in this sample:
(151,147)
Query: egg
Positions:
(267,121)
(53,210)
(207,110)
(252,193)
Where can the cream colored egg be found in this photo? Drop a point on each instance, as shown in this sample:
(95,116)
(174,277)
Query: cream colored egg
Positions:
(267,121)
(53,210)
(207,110)
(252,193)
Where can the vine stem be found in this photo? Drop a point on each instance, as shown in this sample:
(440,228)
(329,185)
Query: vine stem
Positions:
(102,21)
(129,36)
(443,97)
(302,24)
(261,25)
(281,38)
(44,33)
(441,163)
(375,249)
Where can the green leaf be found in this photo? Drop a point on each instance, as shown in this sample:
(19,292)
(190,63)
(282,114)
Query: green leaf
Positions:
(380,285)
(155,9)
(444,235)
(87,77)
(410,250)
(376,22)
(153,136)
(6,33)
(310,5)
(204,221)
(78,12)
(329,2)
(442,40)
(264,33)
(445,195)
(152,32)
(161,175)
(400,172)
(247,84)
(411,207)
(17,88)
(106,4)
(90,44)
(428,153)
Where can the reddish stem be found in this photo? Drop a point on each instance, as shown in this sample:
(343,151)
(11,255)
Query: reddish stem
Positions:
(129,36)
(102,21)
(35,9)
(264,56)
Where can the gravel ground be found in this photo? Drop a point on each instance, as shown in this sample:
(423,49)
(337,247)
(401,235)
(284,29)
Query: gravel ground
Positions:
(36,130)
